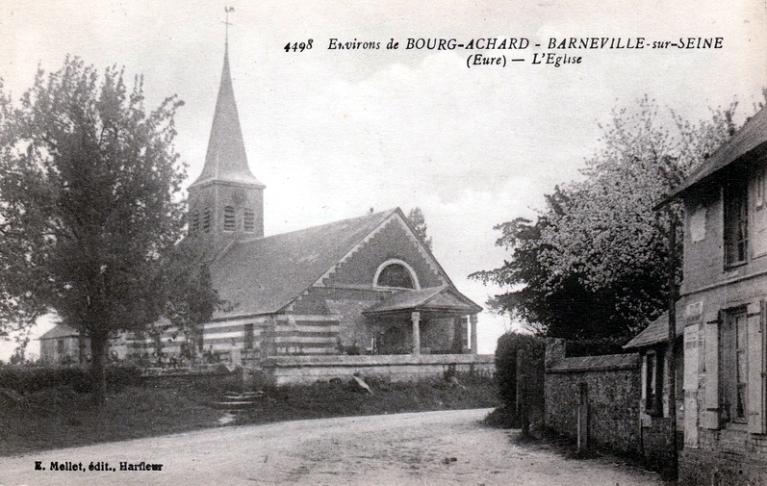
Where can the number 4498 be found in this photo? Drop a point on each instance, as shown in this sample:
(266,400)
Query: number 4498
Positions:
(299,46)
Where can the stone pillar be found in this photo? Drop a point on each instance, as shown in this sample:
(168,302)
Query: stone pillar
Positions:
(458,335)
(473,326)
(554,351)
(415,317)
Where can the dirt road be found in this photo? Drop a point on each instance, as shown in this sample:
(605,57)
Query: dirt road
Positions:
(442,448)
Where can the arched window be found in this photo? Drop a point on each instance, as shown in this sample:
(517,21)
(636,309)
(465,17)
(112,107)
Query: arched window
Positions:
(206,216)
(249,221)
(194,224)
(229,224)
(396,273)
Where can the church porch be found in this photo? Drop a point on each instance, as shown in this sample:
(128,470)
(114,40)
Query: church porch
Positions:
(436,320)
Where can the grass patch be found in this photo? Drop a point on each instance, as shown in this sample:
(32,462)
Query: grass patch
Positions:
(59,417)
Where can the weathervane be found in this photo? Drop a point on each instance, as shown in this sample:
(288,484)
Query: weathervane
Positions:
(227,11)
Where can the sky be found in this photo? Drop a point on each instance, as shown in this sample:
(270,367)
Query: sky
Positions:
(334,133)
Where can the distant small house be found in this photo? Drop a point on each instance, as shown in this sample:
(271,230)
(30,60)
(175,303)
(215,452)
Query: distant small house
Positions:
(63,345)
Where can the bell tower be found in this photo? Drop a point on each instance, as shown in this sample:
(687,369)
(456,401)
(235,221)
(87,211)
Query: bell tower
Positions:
(227,201)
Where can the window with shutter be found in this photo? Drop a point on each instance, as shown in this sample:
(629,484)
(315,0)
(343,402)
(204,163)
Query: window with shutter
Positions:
(710,413)
(757,422)
(735,222)
(654,383)
(733,366)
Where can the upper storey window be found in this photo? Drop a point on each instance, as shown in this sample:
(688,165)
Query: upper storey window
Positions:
(735,222)
(395,273)
(229,223)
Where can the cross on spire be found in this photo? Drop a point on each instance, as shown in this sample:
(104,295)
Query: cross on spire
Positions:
(227,11)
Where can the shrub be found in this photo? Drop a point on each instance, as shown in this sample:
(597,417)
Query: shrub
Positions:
(29,379)
(530,404)
(506,352)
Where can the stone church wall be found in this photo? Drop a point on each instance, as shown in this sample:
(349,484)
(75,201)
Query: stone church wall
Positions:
(393,241)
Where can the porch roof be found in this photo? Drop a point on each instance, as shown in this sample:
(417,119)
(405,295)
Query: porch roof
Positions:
(656,332)
(444,299)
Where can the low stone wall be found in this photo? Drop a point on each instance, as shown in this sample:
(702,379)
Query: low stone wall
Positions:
(613,392)
(284,370)
(185,378)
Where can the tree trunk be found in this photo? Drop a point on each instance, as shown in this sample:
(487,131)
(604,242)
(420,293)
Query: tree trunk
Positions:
(98,374)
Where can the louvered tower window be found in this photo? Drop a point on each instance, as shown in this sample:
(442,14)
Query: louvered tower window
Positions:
(249,221)
(194,225)
(229,223)
(206,216)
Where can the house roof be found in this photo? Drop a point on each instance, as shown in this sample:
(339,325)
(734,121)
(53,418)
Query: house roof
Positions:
(442,298)
(656,332)
(266,274)
(226,159)
(751,137)
(60,331)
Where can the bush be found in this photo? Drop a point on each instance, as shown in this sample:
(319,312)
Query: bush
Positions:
(506,361)
(528,406)
(29,379)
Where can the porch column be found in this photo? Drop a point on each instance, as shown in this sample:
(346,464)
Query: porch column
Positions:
(415,318)
(473,327)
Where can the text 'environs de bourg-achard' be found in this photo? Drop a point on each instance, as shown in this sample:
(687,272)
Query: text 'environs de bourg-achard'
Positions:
(551,51)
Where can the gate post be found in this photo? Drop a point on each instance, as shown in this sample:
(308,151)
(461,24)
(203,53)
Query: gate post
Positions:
(583,417)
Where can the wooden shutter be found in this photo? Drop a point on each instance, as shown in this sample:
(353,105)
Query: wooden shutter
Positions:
(710,413)
(645,376)
(755,404)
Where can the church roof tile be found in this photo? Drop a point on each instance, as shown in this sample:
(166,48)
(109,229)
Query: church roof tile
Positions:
(264,275)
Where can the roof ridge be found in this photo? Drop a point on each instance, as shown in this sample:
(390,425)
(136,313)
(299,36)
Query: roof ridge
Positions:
(317,226)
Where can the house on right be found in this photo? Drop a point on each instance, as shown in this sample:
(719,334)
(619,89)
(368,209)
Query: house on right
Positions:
(722,302)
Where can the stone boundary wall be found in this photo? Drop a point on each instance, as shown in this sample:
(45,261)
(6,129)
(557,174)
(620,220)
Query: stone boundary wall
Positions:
(184,378)
(613,387)
(283,370)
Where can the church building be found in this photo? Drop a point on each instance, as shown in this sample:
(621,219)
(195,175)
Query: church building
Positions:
(326,300)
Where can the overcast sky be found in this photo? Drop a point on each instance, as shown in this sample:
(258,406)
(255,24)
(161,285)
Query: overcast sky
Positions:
(334,133)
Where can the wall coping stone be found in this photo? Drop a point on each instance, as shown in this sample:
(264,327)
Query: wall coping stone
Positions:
(377,360)
(605,362)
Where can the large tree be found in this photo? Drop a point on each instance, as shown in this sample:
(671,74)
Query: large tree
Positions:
(90,203)
(595,261)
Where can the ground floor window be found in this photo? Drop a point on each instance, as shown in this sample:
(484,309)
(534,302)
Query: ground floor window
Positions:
(734,365)
(654,382)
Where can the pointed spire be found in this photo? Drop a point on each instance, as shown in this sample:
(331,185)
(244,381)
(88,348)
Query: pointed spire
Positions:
(226,159)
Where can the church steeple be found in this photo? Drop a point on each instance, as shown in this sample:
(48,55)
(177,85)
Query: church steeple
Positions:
(226,201)
(226,159)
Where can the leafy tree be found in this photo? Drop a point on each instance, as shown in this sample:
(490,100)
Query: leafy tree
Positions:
(595,261)
(191,297)
(89,202)
(418,222)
